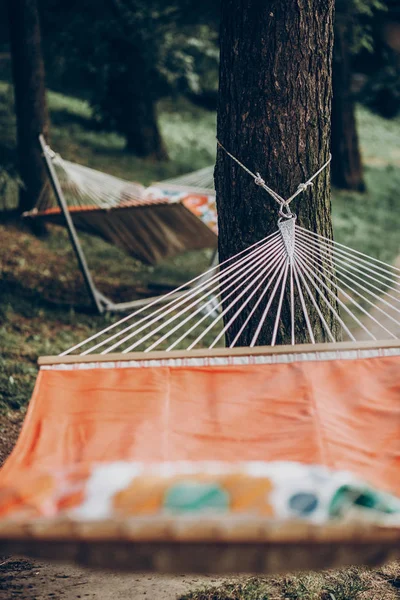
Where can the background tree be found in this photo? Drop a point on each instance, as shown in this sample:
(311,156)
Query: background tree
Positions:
(347,169)
(274,114)
(354,37)
(30,97)
(136,53)
(380,60)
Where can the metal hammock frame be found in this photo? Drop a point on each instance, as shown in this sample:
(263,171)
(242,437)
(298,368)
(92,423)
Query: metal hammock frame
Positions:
(100,302)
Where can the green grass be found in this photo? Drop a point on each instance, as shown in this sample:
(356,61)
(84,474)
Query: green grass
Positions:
(188,130)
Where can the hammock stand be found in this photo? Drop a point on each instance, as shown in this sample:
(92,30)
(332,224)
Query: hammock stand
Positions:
(143,451)
(66,215)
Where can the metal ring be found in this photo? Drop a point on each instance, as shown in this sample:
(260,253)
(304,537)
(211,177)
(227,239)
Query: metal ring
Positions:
(285,215)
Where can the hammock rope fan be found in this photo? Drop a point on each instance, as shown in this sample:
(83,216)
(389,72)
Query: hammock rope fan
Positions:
(150,447)
(149,224)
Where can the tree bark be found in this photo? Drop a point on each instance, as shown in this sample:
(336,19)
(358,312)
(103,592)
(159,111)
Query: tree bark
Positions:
(274,114)
(347,169)
(30,98)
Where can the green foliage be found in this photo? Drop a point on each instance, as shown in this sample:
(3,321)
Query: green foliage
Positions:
(364,12)
(136,52)
(359,15)
(189,60)
(382,91)
(10,183)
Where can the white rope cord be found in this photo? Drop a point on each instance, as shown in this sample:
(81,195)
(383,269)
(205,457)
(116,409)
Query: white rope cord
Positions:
(315,270)
(198,301)
(87,187)
(261,267)
(348,250)
(99,189)
(350,266)
(314,303)
(250,315)
(201,180)
(266,310)
(207,275)
(296,271)
(258,180)
(315,275)
(306,254)
(236,299)
(278,312)
(233,279)
(264,281)
(336,264)
(258,279)
(379,275)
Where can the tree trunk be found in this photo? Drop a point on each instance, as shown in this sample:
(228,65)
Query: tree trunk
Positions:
(138,111)
(30,98)
(131,97)
(142,134)
(274,114)
(347,170)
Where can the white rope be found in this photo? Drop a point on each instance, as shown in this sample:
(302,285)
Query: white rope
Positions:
(197,181)
(278,312)
(232,304)
(302,302)
(222,301)
(315,304)
(352,268)
(308,269)
(318,276)
(161,299)
(86,187)
(329,305)
(266,310)
(336,265)
(347,249)
(304,261)
(92,187)
(250,277)
(179,303)
(387,315)
(258,180)
(256,305)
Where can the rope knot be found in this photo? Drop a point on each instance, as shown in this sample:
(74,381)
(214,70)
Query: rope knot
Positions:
(303,186)
(258,180)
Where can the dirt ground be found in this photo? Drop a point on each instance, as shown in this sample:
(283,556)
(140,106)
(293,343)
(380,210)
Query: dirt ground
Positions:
(31,580)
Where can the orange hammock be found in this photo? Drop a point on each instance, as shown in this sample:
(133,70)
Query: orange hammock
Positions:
(150,231)
(149,224)
(97,474)
(257,459)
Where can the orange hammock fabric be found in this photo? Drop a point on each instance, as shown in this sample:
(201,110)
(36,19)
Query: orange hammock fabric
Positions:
(338,411)
(150,231)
